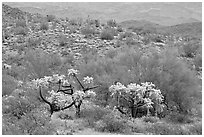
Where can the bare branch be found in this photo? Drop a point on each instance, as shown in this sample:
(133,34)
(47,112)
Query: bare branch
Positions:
(64,91)
(86,89)
(78,81)
(43,97)
(68,106)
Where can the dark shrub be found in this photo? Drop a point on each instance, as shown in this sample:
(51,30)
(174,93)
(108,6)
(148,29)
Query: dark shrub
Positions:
(20,23)
(179,118)
(62,40)
(21,31)
(88,31)
(44,26)
(38,63)
(177,82)
(93,113)
(198,61)
(125,35)
(107,35)
(111,23)
(33,42)
(50,18)
(190,48)
(8,84)
(150,119)
(112,123)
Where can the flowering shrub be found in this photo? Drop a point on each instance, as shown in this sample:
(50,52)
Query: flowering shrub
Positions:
(138,96)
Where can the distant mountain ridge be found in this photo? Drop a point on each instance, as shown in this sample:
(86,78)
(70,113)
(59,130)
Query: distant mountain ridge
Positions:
(165,13)
(185,29)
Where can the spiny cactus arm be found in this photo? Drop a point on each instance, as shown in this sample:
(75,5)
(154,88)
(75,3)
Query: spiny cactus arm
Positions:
(125,98)
(86,89)
(64,91)
(70,86)
(59,83)
(79,81)
(120,110)
(43,97)
(68,106)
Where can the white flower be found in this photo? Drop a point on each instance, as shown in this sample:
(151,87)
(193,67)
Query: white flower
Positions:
(65,82)
(148,102)
(57,77)
(90,93)
(88,80)
(72,71)
(78,95)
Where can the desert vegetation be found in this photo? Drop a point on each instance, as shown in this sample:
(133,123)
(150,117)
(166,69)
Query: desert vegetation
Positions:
(73,76)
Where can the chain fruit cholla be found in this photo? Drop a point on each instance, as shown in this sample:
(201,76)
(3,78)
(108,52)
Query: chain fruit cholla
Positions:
(144,96)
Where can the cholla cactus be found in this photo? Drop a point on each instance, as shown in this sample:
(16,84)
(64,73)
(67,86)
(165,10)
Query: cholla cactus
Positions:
(65,96)
(72,71)
(60,99)
(88,80)
(78,95)
(90,93)
(139,95)
(117,88)
(40,82)
(57,77)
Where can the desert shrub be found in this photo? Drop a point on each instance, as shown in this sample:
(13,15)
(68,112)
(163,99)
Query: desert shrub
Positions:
(88,31)
(50,18)
(137,125)
(107,34)
(111,53)
(195,129)
(112,123)
(172,76)
(69,59)
(130,41)
(32,26)
(119,28)
(72,29)
(20,39)
(62,40)
(137,30)
(73,22)
(198,61)
(44,26)
(125,35)
(177,81)
(21,31)
(97,23)
(163,129)
(38,63)
(20,23)
(16,105)
(54,61)
(33,42)
(111,23)
(5,35)
(150,119)
(13,57)
(93,113)
(178,118)
(190,49)
(37,122)
(8,85)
